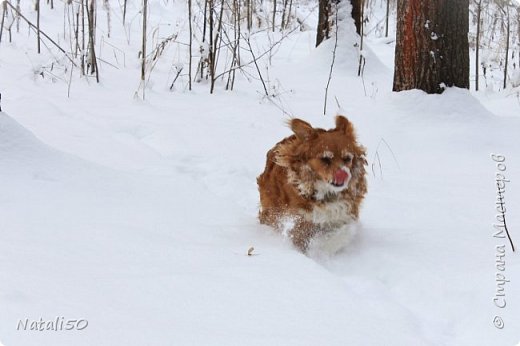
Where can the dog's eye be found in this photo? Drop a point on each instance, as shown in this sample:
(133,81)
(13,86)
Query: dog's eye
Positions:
(326,160)
(347,159)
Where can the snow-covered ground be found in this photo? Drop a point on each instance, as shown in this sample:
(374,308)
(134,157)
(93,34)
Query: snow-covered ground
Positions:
(136,216)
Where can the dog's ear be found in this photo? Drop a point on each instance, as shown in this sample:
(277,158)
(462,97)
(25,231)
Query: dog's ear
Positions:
(302,129)
(343,125)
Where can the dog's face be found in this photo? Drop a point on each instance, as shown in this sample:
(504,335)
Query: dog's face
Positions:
(323,163)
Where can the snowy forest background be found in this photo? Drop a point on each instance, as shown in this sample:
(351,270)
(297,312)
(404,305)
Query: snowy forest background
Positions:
(226,38)
(127,177)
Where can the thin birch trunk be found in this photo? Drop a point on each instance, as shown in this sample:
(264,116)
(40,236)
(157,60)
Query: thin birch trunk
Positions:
(274,14)
(508,28)
(143,48)
(190,44)
(387,17)
(477,44)
(38,24)
(4,13)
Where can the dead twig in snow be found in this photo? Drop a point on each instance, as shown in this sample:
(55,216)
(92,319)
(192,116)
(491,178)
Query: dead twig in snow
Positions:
(332,63)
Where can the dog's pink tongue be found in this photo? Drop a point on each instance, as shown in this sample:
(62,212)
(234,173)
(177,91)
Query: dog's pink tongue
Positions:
(340,176)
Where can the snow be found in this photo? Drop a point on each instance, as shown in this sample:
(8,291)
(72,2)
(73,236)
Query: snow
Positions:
(137,215)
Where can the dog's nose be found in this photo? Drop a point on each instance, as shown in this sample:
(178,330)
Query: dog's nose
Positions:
(340,177)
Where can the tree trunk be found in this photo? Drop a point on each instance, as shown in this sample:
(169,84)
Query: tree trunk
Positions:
(4,12)
(324,25)
(190,44)
(83,37)
(17,15)
(143,46)
(124,12)
(249,13)
(361,34)
(92,66)
(477,43)
(387,16)
(38,25)
(211,55)
(274,14)
(325,20)
(508,28)
(357,10)
(282,25)
(432,49)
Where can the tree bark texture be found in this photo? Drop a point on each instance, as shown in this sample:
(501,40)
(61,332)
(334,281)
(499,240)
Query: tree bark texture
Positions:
(432,49)
(357,10)
(324,18)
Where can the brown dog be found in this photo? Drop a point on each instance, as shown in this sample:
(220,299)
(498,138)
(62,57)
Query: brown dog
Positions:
(313,184)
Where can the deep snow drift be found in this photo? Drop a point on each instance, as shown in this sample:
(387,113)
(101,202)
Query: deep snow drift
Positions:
(137,215)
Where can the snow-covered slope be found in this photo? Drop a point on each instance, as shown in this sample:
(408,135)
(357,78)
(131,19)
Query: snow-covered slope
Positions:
(137,215)
(149,259)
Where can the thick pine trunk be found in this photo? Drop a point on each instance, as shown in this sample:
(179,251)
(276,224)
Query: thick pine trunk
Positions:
(357,10)
(432,45)
(324,25)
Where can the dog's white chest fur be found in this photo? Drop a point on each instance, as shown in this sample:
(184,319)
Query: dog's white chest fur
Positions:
(339,228)
(332,214)
(328,243)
